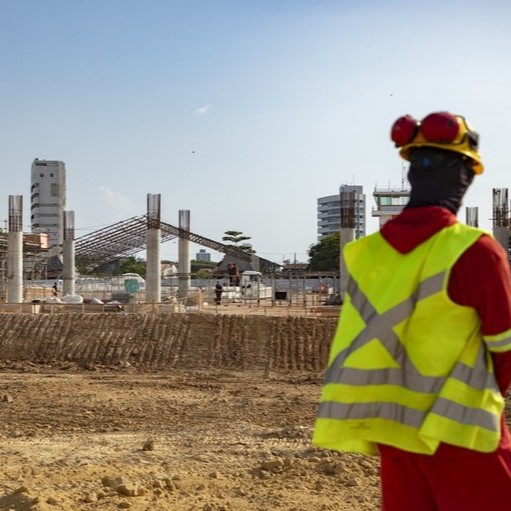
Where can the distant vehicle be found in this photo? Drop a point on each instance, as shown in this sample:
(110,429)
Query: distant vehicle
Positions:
(133,276)
(252,287)
(129,282)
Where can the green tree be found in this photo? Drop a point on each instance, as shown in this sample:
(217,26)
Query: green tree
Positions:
(196,266)
(133,265)
(236,237)
(203,273)
(325,255)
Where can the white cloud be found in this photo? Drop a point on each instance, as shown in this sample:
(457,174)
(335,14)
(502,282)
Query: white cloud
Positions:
(202,110)
(122,205)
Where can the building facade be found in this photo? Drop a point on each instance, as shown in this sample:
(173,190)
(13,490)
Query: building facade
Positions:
(203,256)
(329,210)
(390,202)
(48,199)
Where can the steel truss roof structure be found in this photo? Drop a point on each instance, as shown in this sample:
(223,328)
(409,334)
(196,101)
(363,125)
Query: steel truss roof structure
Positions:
(128,237)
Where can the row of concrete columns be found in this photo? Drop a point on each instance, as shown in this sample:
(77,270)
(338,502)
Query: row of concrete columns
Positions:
(153,251)
(15,252)
(153,244)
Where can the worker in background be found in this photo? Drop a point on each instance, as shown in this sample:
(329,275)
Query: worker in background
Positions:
(231,271)
(421,358)
(218,292)
(234,274)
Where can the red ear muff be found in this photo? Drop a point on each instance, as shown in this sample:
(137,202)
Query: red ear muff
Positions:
(403,130)
(440,128)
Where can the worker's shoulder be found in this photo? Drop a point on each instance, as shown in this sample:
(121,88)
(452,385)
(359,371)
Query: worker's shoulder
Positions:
(488,243)
(487,247)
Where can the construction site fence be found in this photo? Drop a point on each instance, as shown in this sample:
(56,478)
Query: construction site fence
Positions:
(269,309)
(312,305)
(104,288)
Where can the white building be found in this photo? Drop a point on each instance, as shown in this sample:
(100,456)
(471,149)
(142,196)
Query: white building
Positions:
(329,211)
(390,202)
(48,199)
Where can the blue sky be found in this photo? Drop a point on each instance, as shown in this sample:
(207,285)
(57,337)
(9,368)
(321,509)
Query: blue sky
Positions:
(244,112)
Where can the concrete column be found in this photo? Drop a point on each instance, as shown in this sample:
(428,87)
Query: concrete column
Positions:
(15,250)
(153,261)
(501,217)
(15,267)
(184,255)
(501,234)
(153,266)
(472,216)
(68,270)
(68,248)
(347,235)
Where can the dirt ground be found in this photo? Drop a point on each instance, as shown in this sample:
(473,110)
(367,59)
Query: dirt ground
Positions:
(189,412)
(76,439)
(179,412)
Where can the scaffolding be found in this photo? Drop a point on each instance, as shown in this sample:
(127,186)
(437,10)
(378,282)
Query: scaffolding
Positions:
(122,239)
(500,207)
(348,208)
(128,237)
(501,217)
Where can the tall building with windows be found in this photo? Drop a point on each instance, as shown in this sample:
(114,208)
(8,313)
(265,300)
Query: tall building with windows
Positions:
(48,199)
(329,210)
(203,256)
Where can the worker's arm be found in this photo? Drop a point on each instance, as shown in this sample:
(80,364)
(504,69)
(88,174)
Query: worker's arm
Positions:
(482,279)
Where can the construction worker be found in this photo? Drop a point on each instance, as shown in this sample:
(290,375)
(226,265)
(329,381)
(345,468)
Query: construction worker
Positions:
(421,359)
(219,289)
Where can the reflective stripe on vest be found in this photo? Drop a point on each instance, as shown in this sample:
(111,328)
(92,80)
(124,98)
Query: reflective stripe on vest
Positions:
(408,416)
(407,376)
(499,343)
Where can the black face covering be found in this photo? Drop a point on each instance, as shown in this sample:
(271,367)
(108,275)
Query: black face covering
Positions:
(438,178)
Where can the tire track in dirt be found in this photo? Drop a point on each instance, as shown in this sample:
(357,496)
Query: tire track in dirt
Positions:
(234,345)
(181,334)
(164,332)
(191,341)
(93,351)
(216,341)
(145,340)
(52,344)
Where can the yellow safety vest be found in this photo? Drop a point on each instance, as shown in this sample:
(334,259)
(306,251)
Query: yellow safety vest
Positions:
(408,367)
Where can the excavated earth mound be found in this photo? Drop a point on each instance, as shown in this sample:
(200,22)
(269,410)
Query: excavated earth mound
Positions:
(184,341)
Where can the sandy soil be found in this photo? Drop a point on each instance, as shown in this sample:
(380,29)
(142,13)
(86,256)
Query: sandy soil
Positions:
(106,439)
(206,412)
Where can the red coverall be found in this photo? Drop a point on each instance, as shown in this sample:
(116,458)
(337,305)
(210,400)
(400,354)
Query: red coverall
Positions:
(454,478)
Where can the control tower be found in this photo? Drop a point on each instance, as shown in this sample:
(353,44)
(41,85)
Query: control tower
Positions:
(390,201)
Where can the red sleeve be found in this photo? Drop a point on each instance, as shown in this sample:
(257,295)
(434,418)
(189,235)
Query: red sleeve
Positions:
(481,279)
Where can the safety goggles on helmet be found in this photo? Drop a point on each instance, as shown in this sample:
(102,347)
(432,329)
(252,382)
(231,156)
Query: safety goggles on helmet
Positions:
(440,129)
